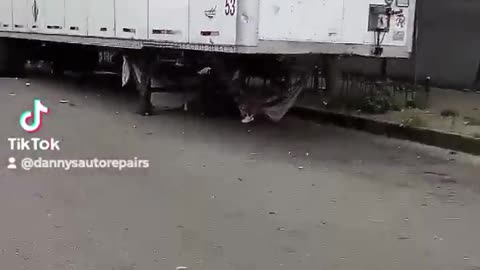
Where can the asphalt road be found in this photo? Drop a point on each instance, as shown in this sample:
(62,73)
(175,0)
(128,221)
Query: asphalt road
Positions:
(221,195)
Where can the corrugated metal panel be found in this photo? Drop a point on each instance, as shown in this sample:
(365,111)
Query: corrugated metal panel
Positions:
(6,20)
(21,15)
(168,20)
(54,16)
(101,18)
(131,19)
(213,21)
(76,20)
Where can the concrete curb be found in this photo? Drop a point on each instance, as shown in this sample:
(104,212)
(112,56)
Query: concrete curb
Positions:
(422,135)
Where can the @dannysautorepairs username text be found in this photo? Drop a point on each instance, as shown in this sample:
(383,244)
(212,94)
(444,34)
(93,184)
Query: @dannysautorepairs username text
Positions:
(28,164)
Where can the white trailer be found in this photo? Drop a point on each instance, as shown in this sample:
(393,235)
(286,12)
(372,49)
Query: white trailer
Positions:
(237,26)
(236,30)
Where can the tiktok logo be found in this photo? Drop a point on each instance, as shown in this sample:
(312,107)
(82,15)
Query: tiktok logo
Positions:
(35,117)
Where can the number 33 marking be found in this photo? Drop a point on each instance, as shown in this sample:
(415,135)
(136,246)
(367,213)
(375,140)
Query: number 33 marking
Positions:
(230,7)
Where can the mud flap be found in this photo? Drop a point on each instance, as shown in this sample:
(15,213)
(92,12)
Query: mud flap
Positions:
(126,74)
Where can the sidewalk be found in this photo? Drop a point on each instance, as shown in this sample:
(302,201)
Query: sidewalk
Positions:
(451,120)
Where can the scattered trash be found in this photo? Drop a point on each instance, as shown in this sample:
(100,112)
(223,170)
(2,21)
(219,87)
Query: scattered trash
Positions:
(240,179)
(147,114)
(212,197)
(28,84)
(419,157)
(116,113)
(134,126)
(63,101)
(12,94)
(466,258)
(182,268)
(272,213)
(281,229)
(301,167)
(149,133)
(325,103)
(403,238)
(437,238)
(307,154)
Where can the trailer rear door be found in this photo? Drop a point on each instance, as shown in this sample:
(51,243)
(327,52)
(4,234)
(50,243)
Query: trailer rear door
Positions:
(213,21)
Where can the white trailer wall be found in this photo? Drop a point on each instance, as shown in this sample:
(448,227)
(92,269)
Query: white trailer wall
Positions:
(76,12)
(308,20)
(21,15)
(213,21)
(168,20)
(131,19)
(53,16)
(6,15)
(338,21)
(251,26)
(355,27)
(101,18)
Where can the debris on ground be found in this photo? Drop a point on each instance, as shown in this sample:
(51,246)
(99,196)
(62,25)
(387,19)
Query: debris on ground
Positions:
(63,101)
(182,268)
(28,84)
(272,213)
(12,94)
